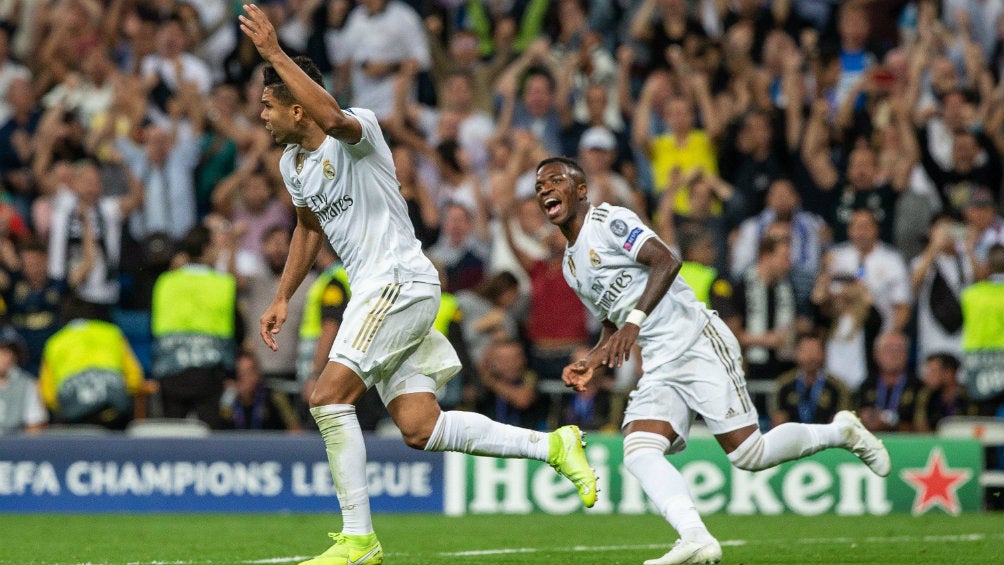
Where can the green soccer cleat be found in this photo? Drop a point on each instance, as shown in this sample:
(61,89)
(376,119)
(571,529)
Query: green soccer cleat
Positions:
(569,460)
(350,549)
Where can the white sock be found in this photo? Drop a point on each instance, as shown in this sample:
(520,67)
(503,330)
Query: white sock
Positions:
(477,434)
(343,440)
(645,458)
(784,443)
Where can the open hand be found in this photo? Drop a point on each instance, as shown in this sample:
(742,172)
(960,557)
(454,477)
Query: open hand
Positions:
(256,26)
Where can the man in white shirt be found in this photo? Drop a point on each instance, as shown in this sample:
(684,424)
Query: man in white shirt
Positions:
(879,265)
(340,174)
(382,35)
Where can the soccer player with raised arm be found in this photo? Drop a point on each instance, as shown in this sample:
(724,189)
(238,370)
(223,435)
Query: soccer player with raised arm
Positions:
(626,276)
(339,171)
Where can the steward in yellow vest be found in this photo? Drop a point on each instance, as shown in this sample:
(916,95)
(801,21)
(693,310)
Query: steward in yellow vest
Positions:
(193,321)
(89,373)
(983,335)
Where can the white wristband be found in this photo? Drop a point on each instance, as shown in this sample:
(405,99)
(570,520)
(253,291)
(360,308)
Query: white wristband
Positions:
(636,317)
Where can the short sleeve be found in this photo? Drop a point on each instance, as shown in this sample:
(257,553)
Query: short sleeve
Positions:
(624,230)
(370,131)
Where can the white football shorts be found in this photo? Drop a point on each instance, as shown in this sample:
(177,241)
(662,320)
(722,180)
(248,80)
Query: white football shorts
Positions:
(707,379)
(387,338)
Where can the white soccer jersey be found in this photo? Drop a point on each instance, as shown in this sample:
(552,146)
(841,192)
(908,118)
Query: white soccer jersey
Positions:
(354,192)
(603,269)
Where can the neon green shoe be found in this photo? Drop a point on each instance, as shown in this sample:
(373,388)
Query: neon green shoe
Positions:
(350,549)
(569,460)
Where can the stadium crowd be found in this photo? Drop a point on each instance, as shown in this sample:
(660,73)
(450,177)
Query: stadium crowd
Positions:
(830,172)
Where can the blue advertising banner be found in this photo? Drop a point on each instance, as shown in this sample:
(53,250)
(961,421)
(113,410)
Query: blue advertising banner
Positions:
(225,473)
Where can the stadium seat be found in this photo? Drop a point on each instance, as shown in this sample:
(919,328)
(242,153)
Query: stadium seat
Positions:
(168,428)
(135,324)
(988,430)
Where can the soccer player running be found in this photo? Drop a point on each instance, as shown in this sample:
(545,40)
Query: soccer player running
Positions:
(626,276)
(339,171)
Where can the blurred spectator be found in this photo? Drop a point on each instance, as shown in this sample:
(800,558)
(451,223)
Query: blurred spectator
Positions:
(461,250)
(941,394)
(843,306)
(88,92)
(762,310)
(21,408)
(382,35)
(33,301)
(658,24)
(195,330)
(807,393)
(753,159)
(597,152)
(254,406)
(459,56)
(698,253)
(261,289)
(939,275)
(167,71)
(706,192)
(509,388)
(975,162)
(809,233)
(488,313)
(856,58)
(597,100)
(985,229)
(531,94)
(17,145)
(89,373)
(498,22)
(165,163)
(9,70)
(683,150)
(248,198)
(218,147)
(85,239)
(459,185)
(983,337)
(888,398)
(422,208)
(879,265)
(853,190)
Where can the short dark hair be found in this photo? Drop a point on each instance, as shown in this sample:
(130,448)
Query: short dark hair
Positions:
(195,242)
(568,162)
(947,360)
(280,90)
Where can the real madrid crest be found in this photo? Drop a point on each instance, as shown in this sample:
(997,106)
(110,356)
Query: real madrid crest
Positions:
(328,169)
(594,258)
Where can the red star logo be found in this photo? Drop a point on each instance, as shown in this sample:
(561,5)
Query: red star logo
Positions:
(936,484)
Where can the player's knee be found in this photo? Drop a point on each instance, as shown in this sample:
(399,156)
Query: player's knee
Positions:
(749,455)
(640,445)
(416,437)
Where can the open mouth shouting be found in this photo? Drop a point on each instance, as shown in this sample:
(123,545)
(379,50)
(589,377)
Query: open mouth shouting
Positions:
(553,207)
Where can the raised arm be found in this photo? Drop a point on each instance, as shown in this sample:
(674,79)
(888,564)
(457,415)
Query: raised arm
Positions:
(316,101)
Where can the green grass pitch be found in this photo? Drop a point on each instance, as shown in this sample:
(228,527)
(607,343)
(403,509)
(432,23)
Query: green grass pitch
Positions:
(266,539)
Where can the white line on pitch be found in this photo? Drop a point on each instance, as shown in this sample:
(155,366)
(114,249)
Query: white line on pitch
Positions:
(806,541)
(601,548)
